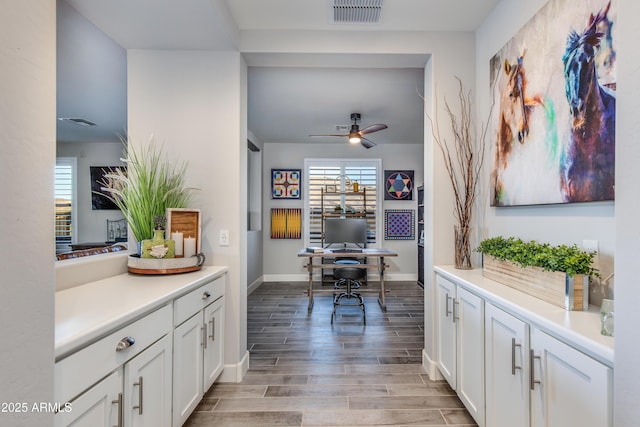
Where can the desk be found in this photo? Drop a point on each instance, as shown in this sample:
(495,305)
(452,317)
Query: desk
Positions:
(378,253)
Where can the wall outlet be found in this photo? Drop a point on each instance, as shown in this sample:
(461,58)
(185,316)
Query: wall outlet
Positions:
(224,238)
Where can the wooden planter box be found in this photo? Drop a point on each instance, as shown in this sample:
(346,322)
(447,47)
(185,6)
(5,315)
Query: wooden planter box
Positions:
(570,293)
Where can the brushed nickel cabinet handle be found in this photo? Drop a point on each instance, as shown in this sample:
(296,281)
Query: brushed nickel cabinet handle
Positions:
(204,336)
(140,393)
(120,410)
(513,356)
(212,325)
(532,370)
(455,312)
(447,312)
(206,295)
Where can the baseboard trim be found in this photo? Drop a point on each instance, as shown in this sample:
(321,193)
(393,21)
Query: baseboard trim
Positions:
(256,283)
(431,367)
(234,373)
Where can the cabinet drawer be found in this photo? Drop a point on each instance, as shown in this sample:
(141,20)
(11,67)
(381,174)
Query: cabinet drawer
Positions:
(185,306)
(84,368)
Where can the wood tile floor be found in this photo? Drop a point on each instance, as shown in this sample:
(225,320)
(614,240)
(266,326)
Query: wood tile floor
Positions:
(306,372)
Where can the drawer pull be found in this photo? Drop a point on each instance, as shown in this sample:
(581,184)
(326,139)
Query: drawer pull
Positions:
(125,343)
(140,391)
(120,410)
(513,356)
(206,295)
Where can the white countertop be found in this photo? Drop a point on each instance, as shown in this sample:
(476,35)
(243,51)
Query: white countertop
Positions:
(88,312)
(580,329)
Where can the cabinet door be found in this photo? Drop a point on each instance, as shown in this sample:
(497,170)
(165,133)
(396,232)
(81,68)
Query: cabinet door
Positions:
(99,406)
(573,389)
(468,312)
(507,369)
(445,294)
(187,368)
(213,349)
(147,386)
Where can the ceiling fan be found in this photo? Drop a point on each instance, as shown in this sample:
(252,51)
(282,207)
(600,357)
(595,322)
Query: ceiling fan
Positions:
(356,135)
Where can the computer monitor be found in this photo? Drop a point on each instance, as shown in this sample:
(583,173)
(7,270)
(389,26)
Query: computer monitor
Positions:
(345,230)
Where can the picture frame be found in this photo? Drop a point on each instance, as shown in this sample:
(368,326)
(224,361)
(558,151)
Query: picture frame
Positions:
(286,184)
(98,174)
(398,185)
(186,221)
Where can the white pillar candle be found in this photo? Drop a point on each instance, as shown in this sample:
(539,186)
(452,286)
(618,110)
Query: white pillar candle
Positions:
(177,237)
(189,246)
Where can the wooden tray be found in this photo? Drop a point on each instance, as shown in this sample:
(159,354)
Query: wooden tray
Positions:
(138,265)
(164,271)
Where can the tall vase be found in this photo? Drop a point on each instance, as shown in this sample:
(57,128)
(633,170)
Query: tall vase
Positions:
(462,247)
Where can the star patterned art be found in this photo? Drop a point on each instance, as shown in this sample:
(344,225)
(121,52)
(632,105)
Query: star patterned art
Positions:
(398,185)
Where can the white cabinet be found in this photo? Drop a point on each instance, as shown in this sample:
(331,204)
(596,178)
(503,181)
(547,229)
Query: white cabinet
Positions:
(567,386)
(461,344)
(507,369)
(536,380)
(197,346)
(137,394)
(98,406)
(147,387)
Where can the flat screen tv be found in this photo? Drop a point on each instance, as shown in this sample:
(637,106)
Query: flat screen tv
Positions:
(345,231)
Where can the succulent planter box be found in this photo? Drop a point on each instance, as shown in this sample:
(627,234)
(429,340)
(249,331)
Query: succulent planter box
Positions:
(557,288)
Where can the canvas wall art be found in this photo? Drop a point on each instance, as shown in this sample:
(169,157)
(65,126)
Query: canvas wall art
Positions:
(285,183)
(398,185)
(286,223)
(98,174)
(554,88)
(399,224)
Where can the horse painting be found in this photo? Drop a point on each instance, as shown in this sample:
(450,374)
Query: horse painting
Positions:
(588,164)
(518,118)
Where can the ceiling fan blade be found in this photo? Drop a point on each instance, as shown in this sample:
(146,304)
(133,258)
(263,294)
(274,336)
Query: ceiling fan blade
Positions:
(367,143)
(331,134)
(373,128)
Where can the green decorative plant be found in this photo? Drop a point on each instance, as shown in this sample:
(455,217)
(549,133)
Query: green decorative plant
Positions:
(567,259)
(149,185)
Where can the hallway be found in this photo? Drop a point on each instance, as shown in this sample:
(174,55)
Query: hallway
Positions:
(306,372)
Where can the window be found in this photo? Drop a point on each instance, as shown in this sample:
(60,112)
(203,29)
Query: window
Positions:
(323,174)
(65,190)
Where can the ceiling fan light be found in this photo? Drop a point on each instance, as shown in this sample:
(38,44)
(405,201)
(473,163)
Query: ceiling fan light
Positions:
(354,139)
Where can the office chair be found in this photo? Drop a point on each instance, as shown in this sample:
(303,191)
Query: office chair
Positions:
(349,278)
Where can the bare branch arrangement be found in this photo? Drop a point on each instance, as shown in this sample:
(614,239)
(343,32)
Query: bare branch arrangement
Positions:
(463,159)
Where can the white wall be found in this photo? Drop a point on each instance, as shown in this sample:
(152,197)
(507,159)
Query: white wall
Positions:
(92,224)
(283,155)
(627,248)
(194,102)
(27,141)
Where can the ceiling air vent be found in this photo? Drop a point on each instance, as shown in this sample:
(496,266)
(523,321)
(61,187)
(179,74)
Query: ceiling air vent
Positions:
(356,11)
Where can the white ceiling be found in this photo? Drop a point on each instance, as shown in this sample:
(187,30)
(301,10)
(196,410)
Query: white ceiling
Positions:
(287,101)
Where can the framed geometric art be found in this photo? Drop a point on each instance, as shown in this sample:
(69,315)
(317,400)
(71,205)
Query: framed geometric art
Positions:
(285,183)
(398,185)
(286,223)
(399,224)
